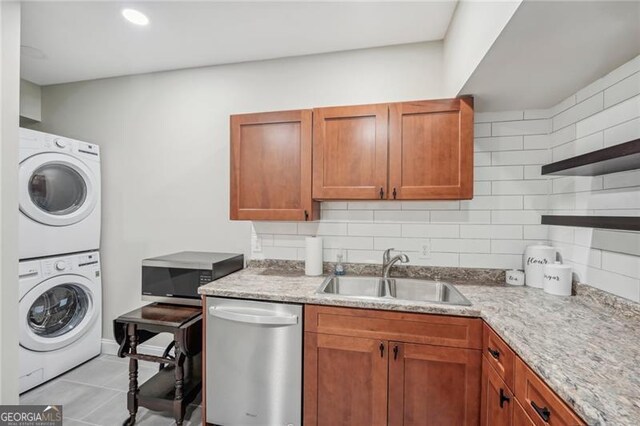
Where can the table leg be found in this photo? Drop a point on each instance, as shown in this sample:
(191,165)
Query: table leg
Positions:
(132,395)
(178,405)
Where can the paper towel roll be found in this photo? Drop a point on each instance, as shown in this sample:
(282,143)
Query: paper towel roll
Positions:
(313,256)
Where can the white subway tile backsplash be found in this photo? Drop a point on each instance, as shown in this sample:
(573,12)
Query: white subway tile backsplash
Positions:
(481,188)
(481,130)
(536,202)
(562,136)
(491,231)
(500,143)
(536,142)
(430,205)
(510,246)
(519,217)
(622,133)
(450,260)
(460,216)
(622,180)
(450,245)
(576,184)
(488,117)
(322,228)
(590,90)
(493,202)
(482,159)
(288,240)
(524,127)
(500,261)
(347,242)
(365,256)
(498,173)
(347,215)
(522,187)
(374,205)
(536,232)
(580,146)
(430,231)
(611,282)
(399,243)
(610,199)
(506,158)
(610,117)
(622,90)
(534,114)
(334,205)
(533,172)
(621,264)
(622,72)
(579,111)
(375,230)
(401,216)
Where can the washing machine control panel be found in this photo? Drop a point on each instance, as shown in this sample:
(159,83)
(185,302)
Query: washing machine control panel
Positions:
(61,265)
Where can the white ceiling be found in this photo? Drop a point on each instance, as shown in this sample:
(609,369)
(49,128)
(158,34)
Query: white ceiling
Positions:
(550,50)
(88,40)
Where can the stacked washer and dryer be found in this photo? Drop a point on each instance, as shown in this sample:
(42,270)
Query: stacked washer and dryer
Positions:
(59,231)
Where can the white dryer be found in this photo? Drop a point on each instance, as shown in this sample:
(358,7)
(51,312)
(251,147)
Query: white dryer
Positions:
(59,195)
(60,315)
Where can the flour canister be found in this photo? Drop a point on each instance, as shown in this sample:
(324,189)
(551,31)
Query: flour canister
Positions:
(558,279)
(535,258)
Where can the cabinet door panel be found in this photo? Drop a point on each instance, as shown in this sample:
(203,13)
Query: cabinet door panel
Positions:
(350,152)
(431,149)
(497,400)
(271,166)
(431,385)
(345,381)
(520,417)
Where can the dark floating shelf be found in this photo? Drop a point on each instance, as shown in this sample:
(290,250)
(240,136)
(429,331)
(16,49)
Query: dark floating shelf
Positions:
(617,158)
(625,223)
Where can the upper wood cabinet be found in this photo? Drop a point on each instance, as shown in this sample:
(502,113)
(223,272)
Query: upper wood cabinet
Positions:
(271,166)
(350,152)
(431,150)
(419,150)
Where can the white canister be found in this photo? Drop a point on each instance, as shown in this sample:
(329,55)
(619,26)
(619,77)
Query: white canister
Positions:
(558,279)
(313,256)
(514,277)
(535,258)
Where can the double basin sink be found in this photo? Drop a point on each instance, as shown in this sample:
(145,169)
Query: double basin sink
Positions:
(393,288)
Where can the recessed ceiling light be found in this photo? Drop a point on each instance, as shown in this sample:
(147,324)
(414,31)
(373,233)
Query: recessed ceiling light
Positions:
(135,16)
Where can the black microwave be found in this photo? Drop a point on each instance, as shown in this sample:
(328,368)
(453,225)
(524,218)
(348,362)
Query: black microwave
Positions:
(175,278)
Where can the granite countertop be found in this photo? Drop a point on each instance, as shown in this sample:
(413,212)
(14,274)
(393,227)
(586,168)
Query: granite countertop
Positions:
(587,352)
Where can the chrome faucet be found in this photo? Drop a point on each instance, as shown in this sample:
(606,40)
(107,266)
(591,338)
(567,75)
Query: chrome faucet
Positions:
(388,261)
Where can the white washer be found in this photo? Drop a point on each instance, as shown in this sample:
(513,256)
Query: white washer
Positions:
(59,194)
(60,315)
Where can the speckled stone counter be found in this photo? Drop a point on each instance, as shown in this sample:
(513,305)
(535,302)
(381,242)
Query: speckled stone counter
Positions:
(588,352)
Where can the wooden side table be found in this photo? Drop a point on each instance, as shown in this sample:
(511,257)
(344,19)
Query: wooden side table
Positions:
(179,378)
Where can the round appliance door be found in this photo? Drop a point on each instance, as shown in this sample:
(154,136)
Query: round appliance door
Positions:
(56,189)
(57,312)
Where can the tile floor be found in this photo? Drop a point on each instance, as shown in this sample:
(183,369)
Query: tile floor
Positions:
(94,393)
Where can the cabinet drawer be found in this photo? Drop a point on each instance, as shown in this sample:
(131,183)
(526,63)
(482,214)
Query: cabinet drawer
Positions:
(439,330)
(520,417)
(499,355)
(540,403)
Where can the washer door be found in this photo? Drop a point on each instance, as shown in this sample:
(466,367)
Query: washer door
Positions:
(56,313)
(56,189)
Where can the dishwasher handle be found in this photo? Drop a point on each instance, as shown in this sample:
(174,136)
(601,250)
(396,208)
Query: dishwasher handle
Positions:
(252,316)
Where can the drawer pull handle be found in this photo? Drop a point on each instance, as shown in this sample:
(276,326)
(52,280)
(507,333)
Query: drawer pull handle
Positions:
(543,412)
(395,352)
(503,398)
(381,350)
(381,193)
(494,353)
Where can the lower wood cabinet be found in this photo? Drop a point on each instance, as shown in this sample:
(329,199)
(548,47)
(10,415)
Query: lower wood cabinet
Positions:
(497,400)
(433,385)
(387,378)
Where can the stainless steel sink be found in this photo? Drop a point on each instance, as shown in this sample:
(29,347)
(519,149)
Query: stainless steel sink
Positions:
(353,286)
(393,288)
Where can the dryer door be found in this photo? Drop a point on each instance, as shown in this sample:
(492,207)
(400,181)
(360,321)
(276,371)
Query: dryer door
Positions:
(57,312)
(57,189)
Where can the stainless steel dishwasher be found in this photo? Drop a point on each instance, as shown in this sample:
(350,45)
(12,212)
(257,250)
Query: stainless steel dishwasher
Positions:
(254,363)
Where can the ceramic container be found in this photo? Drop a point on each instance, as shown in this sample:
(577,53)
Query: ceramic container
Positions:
(558,279)
(535,259)
(514,277)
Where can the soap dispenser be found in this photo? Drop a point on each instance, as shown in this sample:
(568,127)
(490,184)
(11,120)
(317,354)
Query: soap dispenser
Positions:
(339,268)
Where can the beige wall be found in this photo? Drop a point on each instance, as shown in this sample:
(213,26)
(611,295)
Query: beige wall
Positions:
(30,101)
(165,143)
(9,113)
